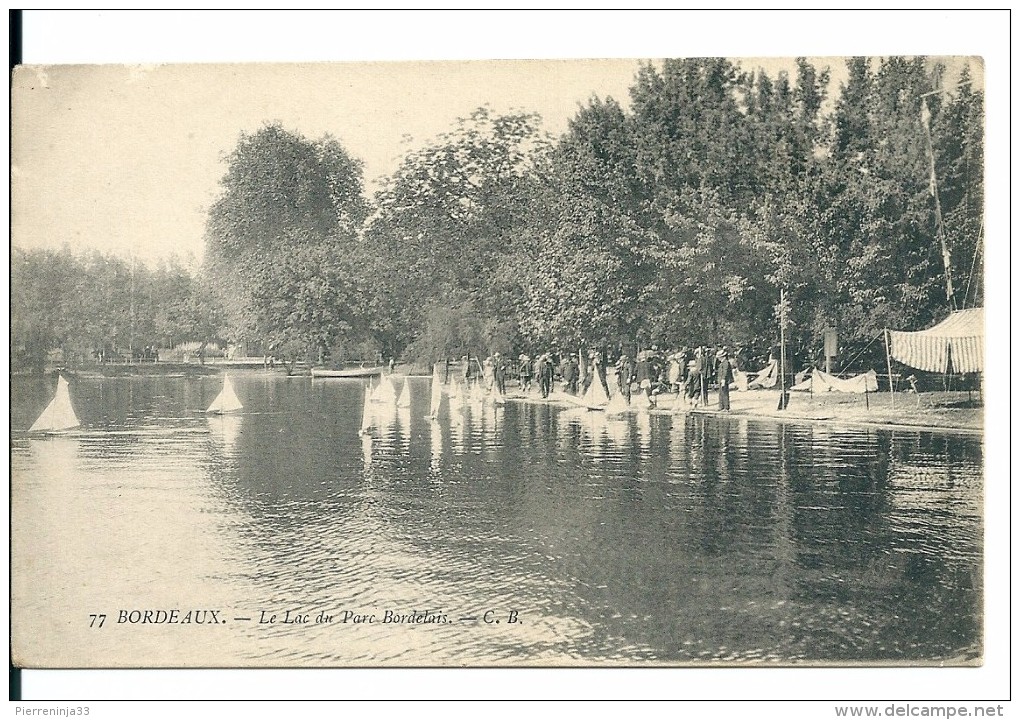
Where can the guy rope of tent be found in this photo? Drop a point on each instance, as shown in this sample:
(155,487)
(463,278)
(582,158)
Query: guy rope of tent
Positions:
(973,263)
(863,350)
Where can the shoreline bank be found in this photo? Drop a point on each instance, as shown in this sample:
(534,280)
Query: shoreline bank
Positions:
(947,412)
(953,412)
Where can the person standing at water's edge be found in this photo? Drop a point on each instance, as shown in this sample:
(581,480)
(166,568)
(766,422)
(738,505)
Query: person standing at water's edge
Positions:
(545,374)
(644,373)
(499,374)
(724,374)
(624,375)
(524,373)
(696,379)
(571,375)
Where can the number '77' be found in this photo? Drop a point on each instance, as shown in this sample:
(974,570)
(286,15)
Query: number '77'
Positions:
(100,617)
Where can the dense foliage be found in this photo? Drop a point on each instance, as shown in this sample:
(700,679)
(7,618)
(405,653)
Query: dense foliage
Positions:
(88,305)
(279,241)
(681,219)
(676,218)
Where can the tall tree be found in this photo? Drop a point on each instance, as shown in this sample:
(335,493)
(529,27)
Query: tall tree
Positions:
(93,302)
(44,303)
(876,208)
(446,221)
(958,136)
(575,274)
(279,239)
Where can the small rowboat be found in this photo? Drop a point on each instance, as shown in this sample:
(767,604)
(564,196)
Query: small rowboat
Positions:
(349,373)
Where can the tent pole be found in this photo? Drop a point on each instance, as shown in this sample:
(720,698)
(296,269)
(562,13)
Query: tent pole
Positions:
(888,364)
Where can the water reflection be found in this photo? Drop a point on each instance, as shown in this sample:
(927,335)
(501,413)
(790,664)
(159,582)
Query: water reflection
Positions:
(457,430)
(404,428)
(632,538)
(226,429)
(366,454)
(643,421)
(436,448)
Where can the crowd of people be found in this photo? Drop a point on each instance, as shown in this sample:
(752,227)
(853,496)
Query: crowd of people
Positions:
(687,374)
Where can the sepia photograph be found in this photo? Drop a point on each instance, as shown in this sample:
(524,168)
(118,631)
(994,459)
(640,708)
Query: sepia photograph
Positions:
(632,362)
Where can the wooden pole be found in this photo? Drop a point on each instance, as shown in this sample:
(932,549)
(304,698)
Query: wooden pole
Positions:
(888,364)
(131,337)
(782,349)
(940,229)
(703,391)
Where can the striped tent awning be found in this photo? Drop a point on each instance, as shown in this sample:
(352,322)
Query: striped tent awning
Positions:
(957,342)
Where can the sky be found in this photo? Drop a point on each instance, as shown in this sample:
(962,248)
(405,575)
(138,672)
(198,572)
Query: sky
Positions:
(126,158)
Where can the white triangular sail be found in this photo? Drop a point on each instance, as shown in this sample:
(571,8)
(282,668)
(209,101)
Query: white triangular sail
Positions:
(59,414)
(617,405)
(404,401)
(595,396)
(384,391)
(366,413)
(458,393)
(437,395)
(227,400)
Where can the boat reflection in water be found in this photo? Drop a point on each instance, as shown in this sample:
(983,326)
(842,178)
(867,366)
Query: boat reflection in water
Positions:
(635,538)
(226,430)
(436,448)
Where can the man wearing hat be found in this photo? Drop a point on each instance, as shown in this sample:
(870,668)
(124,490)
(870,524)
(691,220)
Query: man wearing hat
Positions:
(524,372)
(545,374)
(697,379)
(499,373)
(724,374)
(624,375)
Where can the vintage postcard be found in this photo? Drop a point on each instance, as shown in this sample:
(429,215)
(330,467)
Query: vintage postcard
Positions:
(588,363)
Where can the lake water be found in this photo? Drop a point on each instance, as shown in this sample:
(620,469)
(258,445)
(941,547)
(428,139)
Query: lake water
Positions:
(651,539)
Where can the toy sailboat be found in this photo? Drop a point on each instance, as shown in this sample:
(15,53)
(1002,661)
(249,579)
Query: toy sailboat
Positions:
(226,401)
(404,401)
(437,395)
(384,392)
(59,414)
